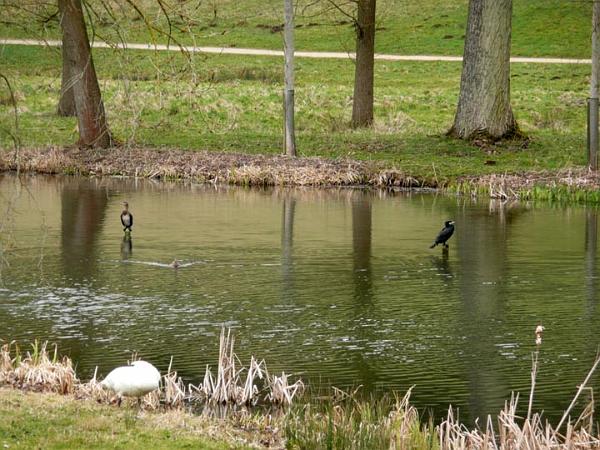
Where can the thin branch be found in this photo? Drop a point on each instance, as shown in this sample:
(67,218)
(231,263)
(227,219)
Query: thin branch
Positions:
(15,135)
(581,388)
(339,8)
(534,362)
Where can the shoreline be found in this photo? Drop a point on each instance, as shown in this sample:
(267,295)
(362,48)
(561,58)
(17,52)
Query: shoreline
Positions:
(569,184)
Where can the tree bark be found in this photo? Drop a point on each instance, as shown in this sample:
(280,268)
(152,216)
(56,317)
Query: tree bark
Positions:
(91,118)
(362,106)
(484,108)
(66,102)
(593,138)
(288,94)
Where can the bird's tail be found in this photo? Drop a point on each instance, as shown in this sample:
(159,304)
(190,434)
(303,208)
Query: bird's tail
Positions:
(433,245)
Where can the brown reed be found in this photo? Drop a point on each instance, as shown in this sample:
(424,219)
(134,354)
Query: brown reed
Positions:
(228,388)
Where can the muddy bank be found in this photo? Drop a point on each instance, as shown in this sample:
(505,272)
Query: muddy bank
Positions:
(263,170)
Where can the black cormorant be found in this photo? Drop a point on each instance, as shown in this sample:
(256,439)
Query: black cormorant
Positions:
(445,234)
(126,218)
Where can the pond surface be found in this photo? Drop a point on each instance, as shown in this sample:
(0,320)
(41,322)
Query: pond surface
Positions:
(338,287)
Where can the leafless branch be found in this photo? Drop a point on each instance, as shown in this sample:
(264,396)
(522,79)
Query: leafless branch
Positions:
(14,135)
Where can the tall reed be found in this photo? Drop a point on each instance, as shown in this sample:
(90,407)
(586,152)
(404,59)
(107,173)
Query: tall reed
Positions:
(228,386)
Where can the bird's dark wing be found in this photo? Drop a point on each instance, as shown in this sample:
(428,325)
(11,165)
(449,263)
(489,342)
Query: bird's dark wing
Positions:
(444,235)
(131,221)
(122,220)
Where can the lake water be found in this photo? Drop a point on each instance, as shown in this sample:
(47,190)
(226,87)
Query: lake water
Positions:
(336,286)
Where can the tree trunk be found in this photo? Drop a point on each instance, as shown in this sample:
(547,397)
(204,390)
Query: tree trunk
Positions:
(66,102)
(289,131)
(93,129)
(362,106)
(593,138)
(484,103)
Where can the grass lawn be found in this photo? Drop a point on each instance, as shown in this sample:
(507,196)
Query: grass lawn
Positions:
(548,28)
(233,103)
(53,421)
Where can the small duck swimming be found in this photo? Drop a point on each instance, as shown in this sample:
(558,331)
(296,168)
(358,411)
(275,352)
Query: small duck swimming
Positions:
(175,264)
(126,218)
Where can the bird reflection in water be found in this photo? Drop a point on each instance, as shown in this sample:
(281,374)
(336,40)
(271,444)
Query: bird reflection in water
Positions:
(126,246)
(442,265)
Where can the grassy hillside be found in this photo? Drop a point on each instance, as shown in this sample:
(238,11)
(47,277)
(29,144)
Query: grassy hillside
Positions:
(541,28)
(233,103)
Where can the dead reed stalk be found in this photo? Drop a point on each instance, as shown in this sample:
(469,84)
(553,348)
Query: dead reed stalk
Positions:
(228,388)
(37,370)
(173,389)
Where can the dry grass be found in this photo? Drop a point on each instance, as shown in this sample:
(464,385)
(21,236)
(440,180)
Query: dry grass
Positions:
(564,185)
(229,387)
(512,432)
(37,370)
(340,422)
(261,170)
(43,372)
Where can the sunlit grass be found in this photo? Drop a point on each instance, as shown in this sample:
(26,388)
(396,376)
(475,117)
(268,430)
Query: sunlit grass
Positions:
(233,104)
(548,28)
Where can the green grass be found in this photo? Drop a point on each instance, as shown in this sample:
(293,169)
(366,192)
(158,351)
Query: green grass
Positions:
(541,28)
(52,421)
(354,423)
(233,103)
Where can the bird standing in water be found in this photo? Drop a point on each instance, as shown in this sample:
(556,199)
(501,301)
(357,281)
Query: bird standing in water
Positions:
(445,234)
(126,218)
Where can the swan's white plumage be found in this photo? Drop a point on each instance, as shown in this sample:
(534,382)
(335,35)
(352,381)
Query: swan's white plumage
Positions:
(135,380)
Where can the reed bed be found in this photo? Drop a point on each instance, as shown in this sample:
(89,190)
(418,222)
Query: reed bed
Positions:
(513,433)
(229,387)
(342,420)
(38,370)
(577,184)
(573,185)
(41,371)
(173,389)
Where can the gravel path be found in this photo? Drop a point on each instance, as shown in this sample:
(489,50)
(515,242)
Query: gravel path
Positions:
(299,54)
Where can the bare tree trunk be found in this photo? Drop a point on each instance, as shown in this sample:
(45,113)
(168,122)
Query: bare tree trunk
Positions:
(593,138)
(362,106)
(289,141)
(484,103)
(66,102)
(93,129)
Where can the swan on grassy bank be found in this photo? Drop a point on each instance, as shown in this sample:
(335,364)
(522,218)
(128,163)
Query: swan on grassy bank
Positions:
(135,380)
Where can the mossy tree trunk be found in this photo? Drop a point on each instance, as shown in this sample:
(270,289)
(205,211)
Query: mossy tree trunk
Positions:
(91,118)
(362,105)
(484,108)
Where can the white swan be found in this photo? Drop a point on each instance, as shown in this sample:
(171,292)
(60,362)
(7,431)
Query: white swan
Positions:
(135,380)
